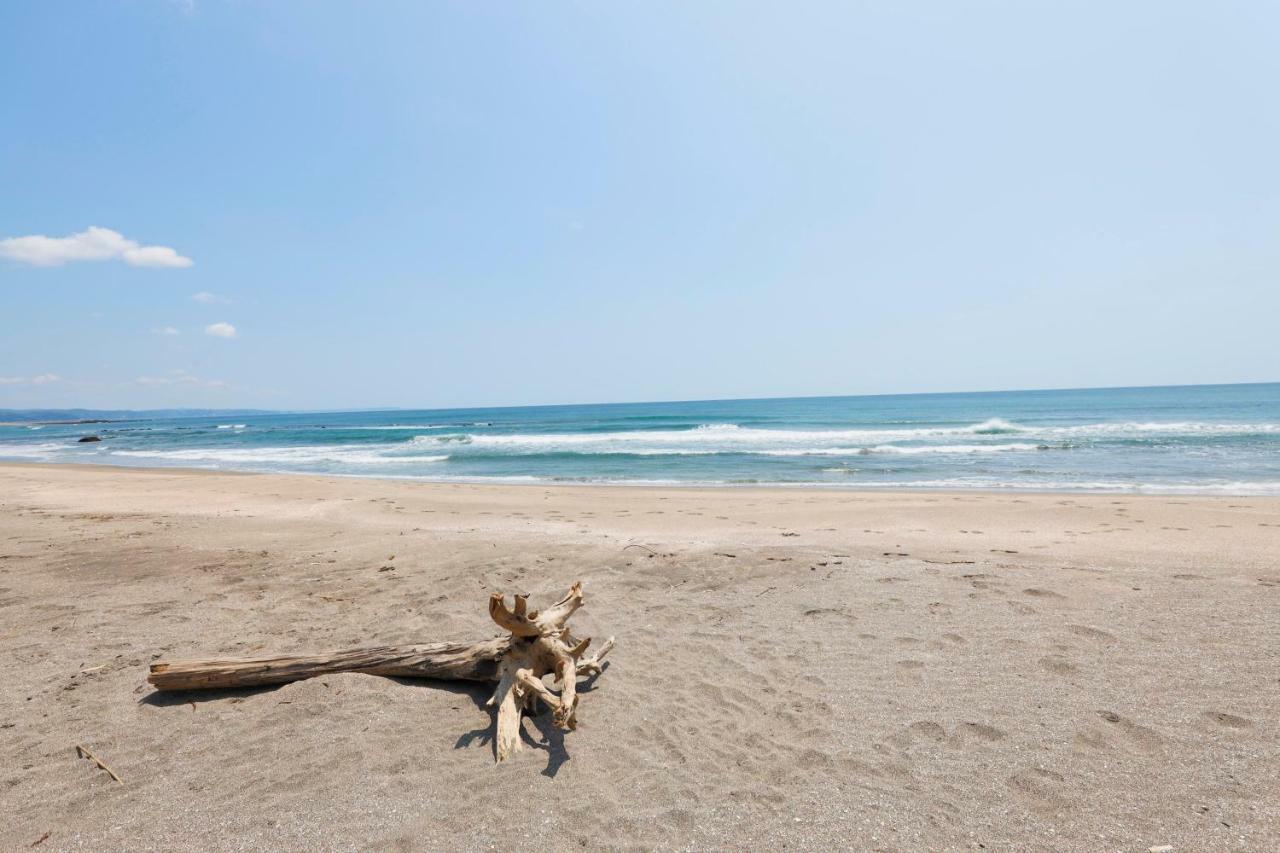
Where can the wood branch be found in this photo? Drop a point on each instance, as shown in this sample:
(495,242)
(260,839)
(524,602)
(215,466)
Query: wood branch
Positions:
(506,739)
(539,643)
(526,623)
(566,670)
(83,752)
(578,649)
(450,661)
(557,614)
(534,687)
(591,665)
(517,621)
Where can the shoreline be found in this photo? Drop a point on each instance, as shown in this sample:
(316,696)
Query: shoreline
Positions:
(843,488)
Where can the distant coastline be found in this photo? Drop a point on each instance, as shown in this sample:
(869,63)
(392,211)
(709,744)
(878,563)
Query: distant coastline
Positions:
(61,423)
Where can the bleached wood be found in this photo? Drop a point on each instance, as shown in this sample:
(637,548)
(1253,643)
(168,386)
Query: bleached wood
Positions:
(539,643)
(526,623)
(506,738)
(535,687)
(451,661)
(592,665)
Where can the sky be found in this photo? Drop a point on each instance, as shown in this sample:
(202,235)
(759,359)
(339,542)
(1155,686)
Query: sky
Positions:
(224,203)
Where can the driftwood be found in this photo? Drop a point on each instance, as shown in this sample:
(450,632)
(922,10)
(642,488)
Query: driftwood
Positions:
(539,643)
(83,752)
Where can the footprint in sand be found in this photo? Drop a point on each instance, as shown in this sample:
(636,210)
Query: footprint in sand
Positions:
(830,612)
(1139,735)
(1091,633)
(927,729)
(1039,784)
(1059,665)
(983,732)
(1043,593)
(1231,721)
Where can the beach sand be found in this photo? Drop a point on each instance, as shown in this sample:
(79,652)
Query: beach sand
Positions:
(805,669)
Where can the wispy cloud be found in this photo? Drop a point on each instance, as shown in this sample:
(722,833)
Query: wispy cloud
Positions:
(204,297)
(92,244)
(179,377)
(167,331)
(42,379)
(220,330)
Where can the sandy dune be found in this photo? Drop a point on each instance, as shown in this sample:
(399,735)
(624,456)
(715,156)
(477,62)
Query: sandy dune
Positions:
(812,669)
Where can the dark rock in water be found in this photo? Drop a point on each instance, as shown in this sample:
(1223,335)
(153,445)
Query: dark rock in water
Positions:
(89,438)
(1043,447)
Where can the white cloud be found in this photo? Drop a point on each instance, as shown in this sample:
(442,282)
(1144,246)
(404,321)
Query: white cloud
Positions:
(204,297)
(220,330)
(42,379)
(155,256)
(167,331)
(92,244)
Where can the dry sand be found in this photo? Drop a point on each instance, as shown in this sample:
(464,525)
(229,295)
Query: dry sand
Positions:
(803,669)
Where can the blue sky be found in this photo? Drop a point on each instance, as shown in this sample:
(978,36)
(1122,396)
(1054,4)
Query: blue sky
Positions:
(324,205)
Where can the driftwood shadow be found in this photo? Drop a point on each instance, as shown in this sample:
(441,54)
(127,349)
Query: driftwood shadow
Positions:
(477,691)
(551,742)
(171,698)
(552,737)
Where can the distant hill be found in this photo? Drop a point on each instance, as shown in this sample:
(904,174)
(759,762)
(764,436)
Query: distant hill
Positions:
(92,415)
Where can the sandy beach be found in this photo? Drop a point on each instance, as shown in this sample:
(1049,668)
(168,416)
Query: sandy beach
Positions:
(806,669)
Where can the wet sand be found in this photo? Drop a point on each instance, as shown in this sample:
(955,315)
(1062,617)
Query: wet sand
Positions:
(815,669)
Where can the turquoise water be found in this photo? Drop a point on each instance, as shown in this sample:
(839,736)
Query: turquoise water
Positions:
(1222,439)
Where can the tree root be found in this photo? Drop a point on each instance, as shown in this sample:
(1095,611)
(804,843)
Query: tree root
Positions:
(539,643)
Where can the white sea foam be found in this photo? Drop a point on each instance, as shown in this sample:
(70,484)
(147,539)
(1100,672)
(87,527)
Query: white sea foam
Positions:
(231,426)
(45,450)
(398,427)
(1266,487)
(911,450)
(995,426)
(403,427)
(959,484)
(729,438)
(1160,429)
(342,454)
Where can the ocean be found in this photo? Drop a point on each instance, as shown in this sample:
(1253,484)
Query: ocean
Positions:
(1208,439)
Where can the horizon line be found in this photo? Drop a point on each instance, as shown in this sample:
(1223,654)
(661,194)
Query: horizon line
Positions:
(319,411)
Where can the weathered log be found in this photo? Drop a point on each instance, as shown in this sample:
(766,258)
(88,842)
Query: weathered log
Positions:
(539,644)
(450,661)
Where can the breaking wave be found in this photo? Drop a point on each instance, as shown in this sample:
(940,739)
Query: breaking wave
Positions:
(912,450)
(1185,442)
(731,438)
